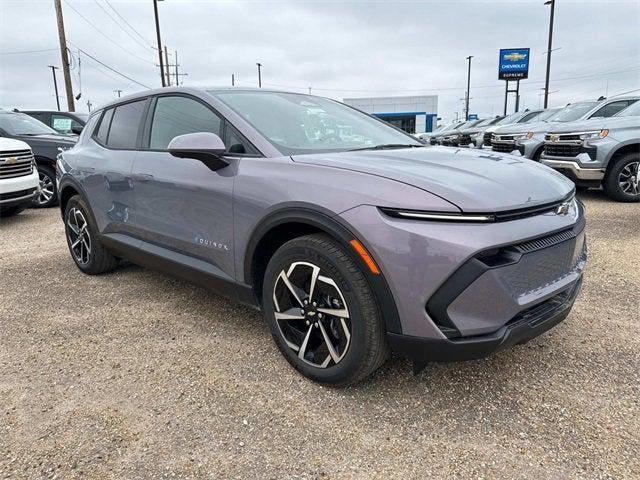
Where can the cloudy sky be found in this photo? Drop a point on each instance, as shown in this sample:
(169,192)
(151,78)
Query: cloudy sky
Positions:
(338,48)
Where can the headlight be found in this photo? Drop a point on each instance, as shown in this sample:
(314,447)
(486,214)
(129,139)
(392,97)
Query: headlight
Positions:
(594,135)
(438,216)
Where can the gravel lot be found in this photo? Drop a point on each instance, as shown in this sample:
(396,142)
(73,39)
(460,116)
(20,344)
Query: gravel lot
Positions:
(136,375)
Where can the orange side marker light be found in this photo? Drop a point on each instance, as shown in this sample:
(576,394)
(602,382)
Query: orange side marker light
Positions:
(358,247)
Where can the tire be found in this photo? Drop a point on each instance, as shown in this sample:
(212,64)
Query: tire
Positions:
(626,167)
(357,336)
(87,253)
(48,190)
(11,211)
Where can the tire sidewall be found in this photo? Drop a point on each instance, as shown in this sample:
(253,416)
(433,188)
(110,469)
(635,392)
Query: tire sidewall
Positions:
(295,251)
(612,185)
(78,202)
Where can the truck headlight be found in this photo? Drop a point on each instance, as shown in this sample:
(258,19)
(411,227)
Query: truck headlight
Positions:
(594,135)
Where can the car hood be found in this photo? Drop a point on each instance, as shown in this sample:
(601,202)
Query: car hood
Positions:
(474,181)
(49,140)
(8,144)
(594,124)
(535,127)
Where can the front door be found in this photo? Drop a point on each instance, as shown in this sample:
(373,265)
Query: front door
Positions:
(180,204)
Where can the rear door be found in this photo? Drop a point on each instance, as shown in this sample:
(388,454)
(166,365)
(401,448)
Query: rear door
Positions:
(104,165)
(181,205)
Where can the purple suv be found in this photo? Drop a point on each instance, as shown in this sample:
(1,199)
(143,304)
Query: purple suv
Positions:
(353,238)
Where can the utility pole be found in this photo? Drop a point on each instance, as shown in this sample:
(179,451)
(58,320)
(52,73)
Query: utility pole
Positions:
(233,80)
(466,103)
(118,92)
(55,84)
(259,75)
(309,90)
(89,105)
(155,11)
(166,58)
(546,81)
(177,75)
(65,56)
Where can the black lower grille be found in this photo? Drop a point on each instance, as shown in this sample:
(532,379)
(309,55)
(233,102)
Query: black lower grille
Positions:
(487,139)
(18,194)
(562,150)
(503,147)
(464,140)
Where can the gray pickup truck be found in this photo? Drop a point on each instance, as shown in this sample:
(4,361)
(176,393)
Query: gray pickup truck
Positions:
(602,151)
(528,140)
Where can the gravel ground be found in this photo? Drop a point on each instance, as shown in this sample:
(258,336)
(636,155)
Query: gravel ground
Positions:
(136,375)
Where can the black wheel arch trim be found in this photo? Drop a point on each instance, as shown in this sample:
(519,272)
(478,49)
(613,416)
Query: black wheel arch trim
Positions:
(327,222)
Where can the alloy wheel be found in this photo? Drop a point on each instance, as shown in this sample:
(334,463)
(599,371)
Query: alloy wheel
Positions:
(79,237)
(47,189)
(629,178)
(312,315)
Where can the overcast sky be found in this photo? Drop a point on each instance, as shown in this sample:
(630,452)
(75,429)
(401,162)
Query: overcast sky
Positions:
(338,48)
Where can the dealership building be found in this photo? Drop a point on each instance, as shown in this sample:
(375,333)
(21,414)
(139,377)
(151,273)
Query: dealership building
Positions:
(411,114)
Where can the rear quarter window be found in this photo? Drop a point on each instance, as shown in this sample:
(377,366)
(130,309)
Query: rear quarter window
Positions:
(125,125)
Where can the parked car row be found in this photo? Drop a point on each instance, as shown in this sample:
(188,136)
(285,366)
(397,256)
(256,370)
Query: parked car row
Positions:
(27,140)
(594,143)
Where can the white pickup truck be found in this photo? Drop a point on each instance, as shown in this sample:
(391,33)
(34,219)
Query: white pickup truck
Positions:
(19,182)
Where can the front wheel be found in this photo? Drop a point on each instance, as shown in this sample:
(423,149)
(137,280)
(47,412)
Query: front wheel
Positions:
(622,182)
(322,312)
(48,196)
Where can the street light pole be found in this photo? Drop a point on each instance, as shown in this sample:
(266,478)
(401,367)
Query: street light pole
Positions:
(55,84)
(259,75)
(155,11)
(466,103)
(546,81)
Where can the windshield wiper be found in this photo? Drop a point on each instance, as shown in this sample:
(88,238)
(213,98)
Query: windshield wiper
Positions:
(387,146)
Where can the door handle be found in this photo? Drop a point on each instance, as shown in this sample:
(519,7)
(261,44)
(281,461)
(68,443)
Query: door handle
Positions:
(142,177)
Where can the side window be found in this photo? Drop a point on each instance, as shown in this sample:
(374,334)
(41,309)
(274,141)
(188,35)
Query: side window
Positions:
(39,116)
(103,128)
(125,125)
(175,116)
(610,109)
(235,143)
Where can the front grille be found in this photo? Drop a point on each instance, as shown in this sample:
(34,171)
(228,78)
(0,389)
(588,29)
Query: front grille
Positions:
(563,138)
(487,139)
(464,139)
(16,163)
(562,150)
(547,309)
(545,242)
(503,147)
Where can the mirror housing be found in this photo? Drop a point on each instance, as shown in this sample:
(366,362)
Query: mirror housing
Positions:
(204,146)
(77,129)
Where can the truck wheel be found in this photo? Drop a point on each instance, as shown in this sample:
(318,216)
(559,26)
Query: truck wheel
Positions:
(322,312)
(48,191)
(622,182)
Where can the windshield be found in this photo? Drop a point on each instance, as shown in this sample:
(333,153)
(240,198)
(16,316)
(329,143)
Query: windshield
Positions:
(572,112)
(297,124)
(23,124)
(513,118)
(529,117)
(632,110)
(486,122)
(544,115)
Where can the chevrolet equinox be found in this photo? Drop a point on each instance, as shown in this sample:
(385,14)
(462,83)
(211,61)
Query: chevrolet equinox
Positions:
(352,237)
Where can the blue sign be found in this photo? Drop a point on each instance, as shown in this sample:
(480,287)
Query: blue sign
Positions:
(513,64)
(473,116)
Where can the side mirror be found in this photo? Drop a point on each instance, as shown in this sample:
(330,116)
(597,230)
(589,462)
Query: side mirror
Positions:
(204,146)
(77,129)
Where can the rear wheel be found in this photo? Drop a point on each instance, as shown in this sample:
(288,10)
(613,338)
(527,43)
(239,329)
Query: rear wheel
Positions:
(322,312)
(81,232)
(622,182)
(48,196)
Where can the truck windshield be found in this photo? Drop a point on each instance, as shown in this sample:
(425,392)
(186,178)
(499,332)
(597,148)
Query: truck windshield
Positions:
(572,112)
(23,124)
(297,124)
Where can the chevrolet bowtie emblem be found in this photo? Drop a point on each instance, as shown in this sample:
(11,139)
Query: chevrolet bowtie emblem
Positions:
(553,138)
(11,160)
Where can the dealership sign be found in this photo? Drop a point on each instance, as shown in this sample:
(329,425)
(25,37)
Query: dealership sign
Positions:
(514,64)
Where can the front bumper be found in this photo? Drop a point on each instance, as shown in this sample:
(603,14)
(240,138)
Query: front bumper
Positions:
(463,290)
(572,169)
(19,190)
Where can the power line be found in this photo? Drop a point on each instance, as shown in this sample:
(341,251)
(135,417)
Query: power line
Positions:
(104,34)
(111,68)
(146,47)
(29,51)
(127,23)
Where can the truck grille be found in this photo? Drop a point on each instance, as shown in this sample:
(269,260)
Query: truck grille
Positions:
(503,147)
(562,150)
(465,139)
(486,139)
(17,163)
